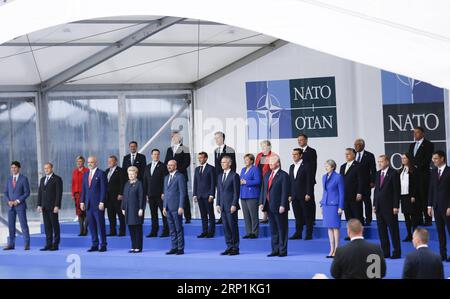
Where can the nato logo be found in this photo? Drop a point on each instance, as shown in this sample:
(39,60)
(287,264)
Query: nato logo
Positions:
(282,109)
(398,89)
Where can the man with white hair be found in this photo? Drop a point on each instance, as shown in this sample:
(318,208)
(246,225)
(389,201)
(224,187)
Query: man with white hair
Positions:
(93,197)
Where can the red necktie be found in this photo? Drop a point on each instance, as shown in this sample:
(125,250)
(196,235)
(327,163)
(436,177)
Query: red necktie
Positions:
(269,185)
(14,182)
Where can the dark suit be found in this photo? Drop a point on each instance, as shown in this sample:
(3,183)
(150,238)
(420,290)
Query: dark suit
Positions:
(439,199)
(228,195)
(153,188)
(422,161)
(140,162)
(310,157)
(173,200)
(301,185)
(133,201)
(273,198)
(351,260)
(20,192)
(227,150)
(423,264)
(183,159)
(386,198)
(92,196)
(49,197)
(368,173)
(353,185)
(204,187)
(116,184)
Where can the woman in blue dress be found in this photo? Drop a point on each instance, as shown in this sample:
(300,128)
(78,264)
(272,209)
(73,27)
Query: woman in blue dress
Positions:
(332,204)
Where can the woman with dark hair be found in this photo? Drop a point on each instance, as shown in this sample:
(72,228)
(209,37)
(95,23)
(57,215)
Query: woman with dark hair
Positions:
(408,187)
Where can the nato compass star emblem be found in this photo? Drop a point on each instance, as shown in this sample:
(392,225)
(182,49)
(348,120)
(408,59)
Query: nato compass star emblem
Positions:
(410,82)
(268,110)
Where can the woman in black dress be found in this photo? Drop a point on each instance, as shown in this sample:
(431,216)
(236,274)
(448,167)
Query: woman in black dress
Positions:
(408,188)
(133,205)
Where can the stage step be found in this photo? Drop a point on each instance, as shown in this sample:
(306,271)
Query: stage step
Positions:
(194,229)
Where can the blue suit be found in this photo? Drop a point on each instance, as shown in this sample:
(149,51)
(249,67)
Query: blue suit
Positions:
(92,196)
(21,193)
(227,196)
(332,199)
(253,182)
(174,194)
(204,187)
(272,199)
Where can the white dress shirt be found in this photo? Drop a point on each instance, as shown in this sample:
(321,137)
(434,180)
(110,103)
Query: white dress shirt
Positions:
(111,171)
(359,156)
(296,167)
(347,167)
(404,181)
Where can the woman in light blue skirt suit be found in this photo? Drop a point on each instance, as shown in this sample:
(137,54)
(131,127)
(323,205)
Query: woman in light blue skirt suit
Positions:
(332,204)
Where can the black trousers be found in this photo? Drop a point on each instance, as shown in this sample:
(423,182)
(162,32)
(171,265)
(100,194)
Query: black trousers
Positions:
(82,221)
(411,214)
(51,226)
(207,215)
(304,213)
(442,221)
(367,200)
(353,209)
(279,231)
(187,204)
(388,222)
(136,236)
(156,203)
(114,210)
(422,197)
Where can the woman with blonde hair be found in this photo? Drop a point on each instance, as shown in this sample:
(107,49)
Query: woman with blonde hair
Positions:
(133,206)
(332,204)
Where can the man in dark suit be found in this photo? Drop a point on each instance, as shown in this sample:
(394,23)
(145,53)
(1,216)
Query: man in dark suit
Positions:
(49,202)
(302,186)
(310,157)
(421,150)
(173,197)
(354,189)
(16,191)
(114,195)
(422,263)
(221,150)
(228,191)
(368,169)
(203,194)
(180,153)
(134,159)
(358,259)
(153,188)
(386,206)
(439,199)
(274,195)
(93,197)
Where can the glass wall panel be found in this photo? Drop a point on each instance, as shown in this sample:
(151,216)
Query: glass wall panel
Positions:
(18,142)
(81,126)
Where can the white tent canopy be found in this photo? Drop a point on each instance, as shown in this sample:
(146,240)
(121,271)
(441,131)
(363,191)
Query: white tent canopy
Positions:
(411,38)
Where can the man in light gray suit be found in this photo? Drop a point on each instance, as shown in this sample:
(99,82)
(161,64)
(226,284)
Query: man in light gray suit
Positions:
(173,199)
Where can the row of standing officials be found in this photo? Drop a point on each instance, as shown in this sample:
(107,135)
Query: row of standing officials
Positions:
(261,184)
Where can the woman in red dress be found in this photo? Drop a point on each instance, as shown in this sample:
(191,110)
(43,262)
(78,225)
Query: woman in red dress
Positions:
(77,181)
